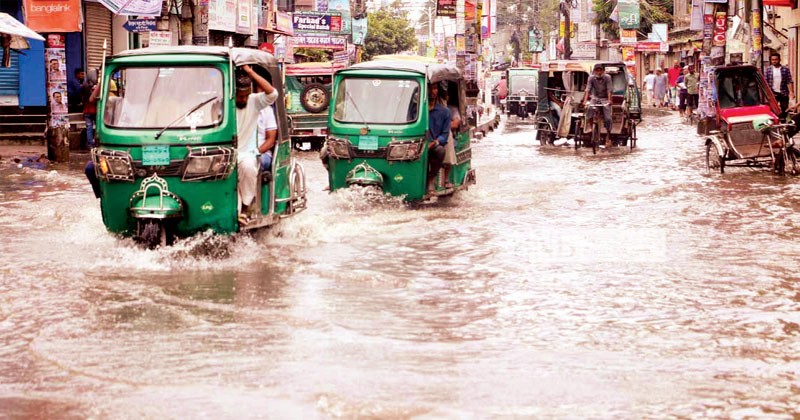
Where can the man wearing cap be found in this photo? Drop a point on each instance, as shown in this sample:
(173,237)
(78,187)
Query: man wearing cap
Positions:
(600,90)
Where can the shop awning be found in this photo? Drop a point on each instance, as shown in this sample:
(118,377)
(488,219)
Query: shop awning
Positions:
(17,32)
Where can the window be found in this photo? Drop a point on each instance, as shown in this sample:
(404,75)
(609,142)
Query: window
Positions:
(155,97)
(379,101)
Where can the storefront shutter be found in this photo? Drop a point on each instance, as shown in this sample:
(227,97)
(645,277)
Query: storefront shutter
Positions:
(9,77)
(97,30)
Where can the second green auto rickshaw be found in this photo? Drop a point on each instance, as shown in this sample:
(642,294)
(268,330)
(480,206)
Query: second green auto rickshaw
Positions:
(378,128)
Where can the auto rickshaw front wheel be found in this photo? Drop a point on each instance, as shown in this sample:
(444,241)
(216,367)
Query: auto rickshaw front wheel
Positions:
(153,233)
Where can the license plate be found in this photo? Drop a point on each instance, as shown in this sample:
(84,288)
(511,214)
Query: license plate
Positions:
(155,155)
(368,142)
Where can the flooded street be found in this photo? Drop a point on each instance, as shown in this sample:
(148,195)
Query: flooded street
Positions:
(621,285)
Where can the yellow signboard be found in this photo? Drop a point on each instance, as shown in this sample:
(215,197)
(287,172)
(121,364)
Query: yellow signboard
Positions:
(573,31)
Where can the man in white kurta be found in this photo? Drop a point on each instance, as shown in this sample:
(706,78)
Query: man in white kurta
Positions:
(248,107)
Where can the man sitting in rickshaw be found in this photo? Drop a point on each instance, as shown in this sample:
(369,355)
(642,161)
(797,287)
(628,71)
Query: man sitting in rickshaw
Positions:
(599,89)
(438,131)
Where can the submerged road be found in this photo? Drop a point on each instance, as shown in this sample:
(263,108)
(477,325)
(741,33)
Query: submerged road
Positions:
(622,285)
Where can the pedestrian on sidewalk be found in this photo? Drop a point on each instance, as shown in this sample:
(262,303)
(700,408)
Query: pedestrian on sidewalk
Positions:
(682,93)
(660,87)
(692,93)
(672,75)
(779,79)
(647,86)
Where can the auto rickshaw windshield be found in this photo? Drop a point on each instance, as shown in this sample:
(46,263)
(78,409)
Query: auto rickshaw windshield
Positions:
(520,82)
(156,97)
(377,101)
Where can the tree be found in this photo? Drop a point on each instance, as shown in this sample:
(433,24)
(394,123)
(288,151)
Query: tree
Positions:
(389,32)
(652,11)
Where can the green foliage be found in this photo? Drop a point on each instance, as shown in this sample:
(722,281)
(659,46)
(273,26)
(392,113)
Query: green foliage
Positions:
(652,11)
(389,32)
(313,54)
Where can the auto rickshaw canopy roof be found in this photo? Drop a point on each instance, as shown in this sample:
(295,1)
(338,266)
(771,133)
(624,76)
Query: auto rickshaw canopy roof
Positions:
(313,68)
(577,65)
(435,72)
(240,56)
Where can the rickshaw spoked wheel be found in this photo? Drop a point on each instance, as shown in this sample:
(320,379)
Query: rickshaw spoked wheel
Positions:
(715,162)
(791,165)
(595,136)
(632,141)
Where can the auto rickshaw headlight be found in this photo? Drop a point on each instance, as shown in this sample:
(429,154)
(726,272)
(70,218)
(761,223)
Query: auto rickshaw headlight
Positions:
(339,148)
(113,165)
(404,150)
(208,163)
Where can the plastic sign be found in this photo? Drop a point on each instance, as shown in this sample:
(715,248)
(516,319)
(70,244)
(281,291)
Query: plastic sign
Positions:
(140,25)
(720,27)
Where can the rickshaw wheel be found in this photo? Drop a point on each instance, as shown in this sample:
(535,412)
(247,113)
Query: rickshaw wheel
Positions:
(595,137)
(780,162)
(632,141)
(716,163)
(791,165)
(153,234)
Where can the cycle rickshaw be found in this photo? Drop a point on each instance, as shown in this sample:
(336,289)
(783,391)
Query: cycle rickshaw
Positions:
(750,133)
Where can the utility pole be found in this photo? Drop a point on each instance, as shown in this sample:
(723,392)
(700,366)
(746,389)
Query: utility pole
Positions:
(756,16)
(564,6)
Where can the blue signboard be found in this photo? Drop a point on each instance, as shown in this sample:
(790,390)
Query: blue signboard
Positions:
(140,25)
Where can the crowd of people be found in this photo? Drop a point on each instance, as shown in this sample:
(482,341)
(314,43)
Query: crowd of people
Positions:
(676,88)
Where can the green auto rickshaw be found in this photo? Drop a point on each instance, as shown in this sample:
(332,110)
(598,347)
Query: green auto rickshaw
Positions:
(522,91)
(166,156)
(378,128)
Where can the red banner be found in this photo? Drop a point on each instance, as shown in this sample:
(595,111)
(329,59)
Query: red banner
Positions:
(780,3)
(53,15)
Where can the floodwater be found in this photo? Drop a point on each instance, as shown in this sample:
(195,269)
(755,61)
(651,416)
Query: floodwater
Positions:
(623,285)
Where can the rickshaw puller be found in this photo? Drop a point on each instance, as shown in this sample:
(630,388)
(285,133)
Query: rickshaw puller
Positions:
(599,89)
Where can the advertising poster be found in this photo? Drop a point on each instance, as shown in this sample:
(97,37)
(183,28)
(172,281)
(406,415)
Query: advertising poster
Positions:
(343,8)
(244,17)
(222,15)
(720,28)
(134,7)
(359,31)
(55,55)
(708,33)
(629,17)
(627,36)
(446,8)
(310,22)
(53,15)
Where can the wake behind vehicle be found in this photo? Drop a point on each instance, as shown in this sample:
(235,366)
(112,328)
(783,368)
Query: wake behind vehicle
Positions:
(750,133)
(167,145)
(522,91)
(561,114)
(377,128)
(308,93)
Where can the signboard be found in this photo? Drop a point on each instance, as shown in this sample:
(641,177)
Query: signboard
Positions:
(53,15)
(720,27)
(160,38)
(629,17)
(133,7)
(659,33)
(627,36)
(446,8)
(586,32)
(575,11)
(629,55)
(222,15)
(140,25)
(305,22)
(283,23)
(341,57)
(652,46)
(319,41)
(696,22)
(584,51)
